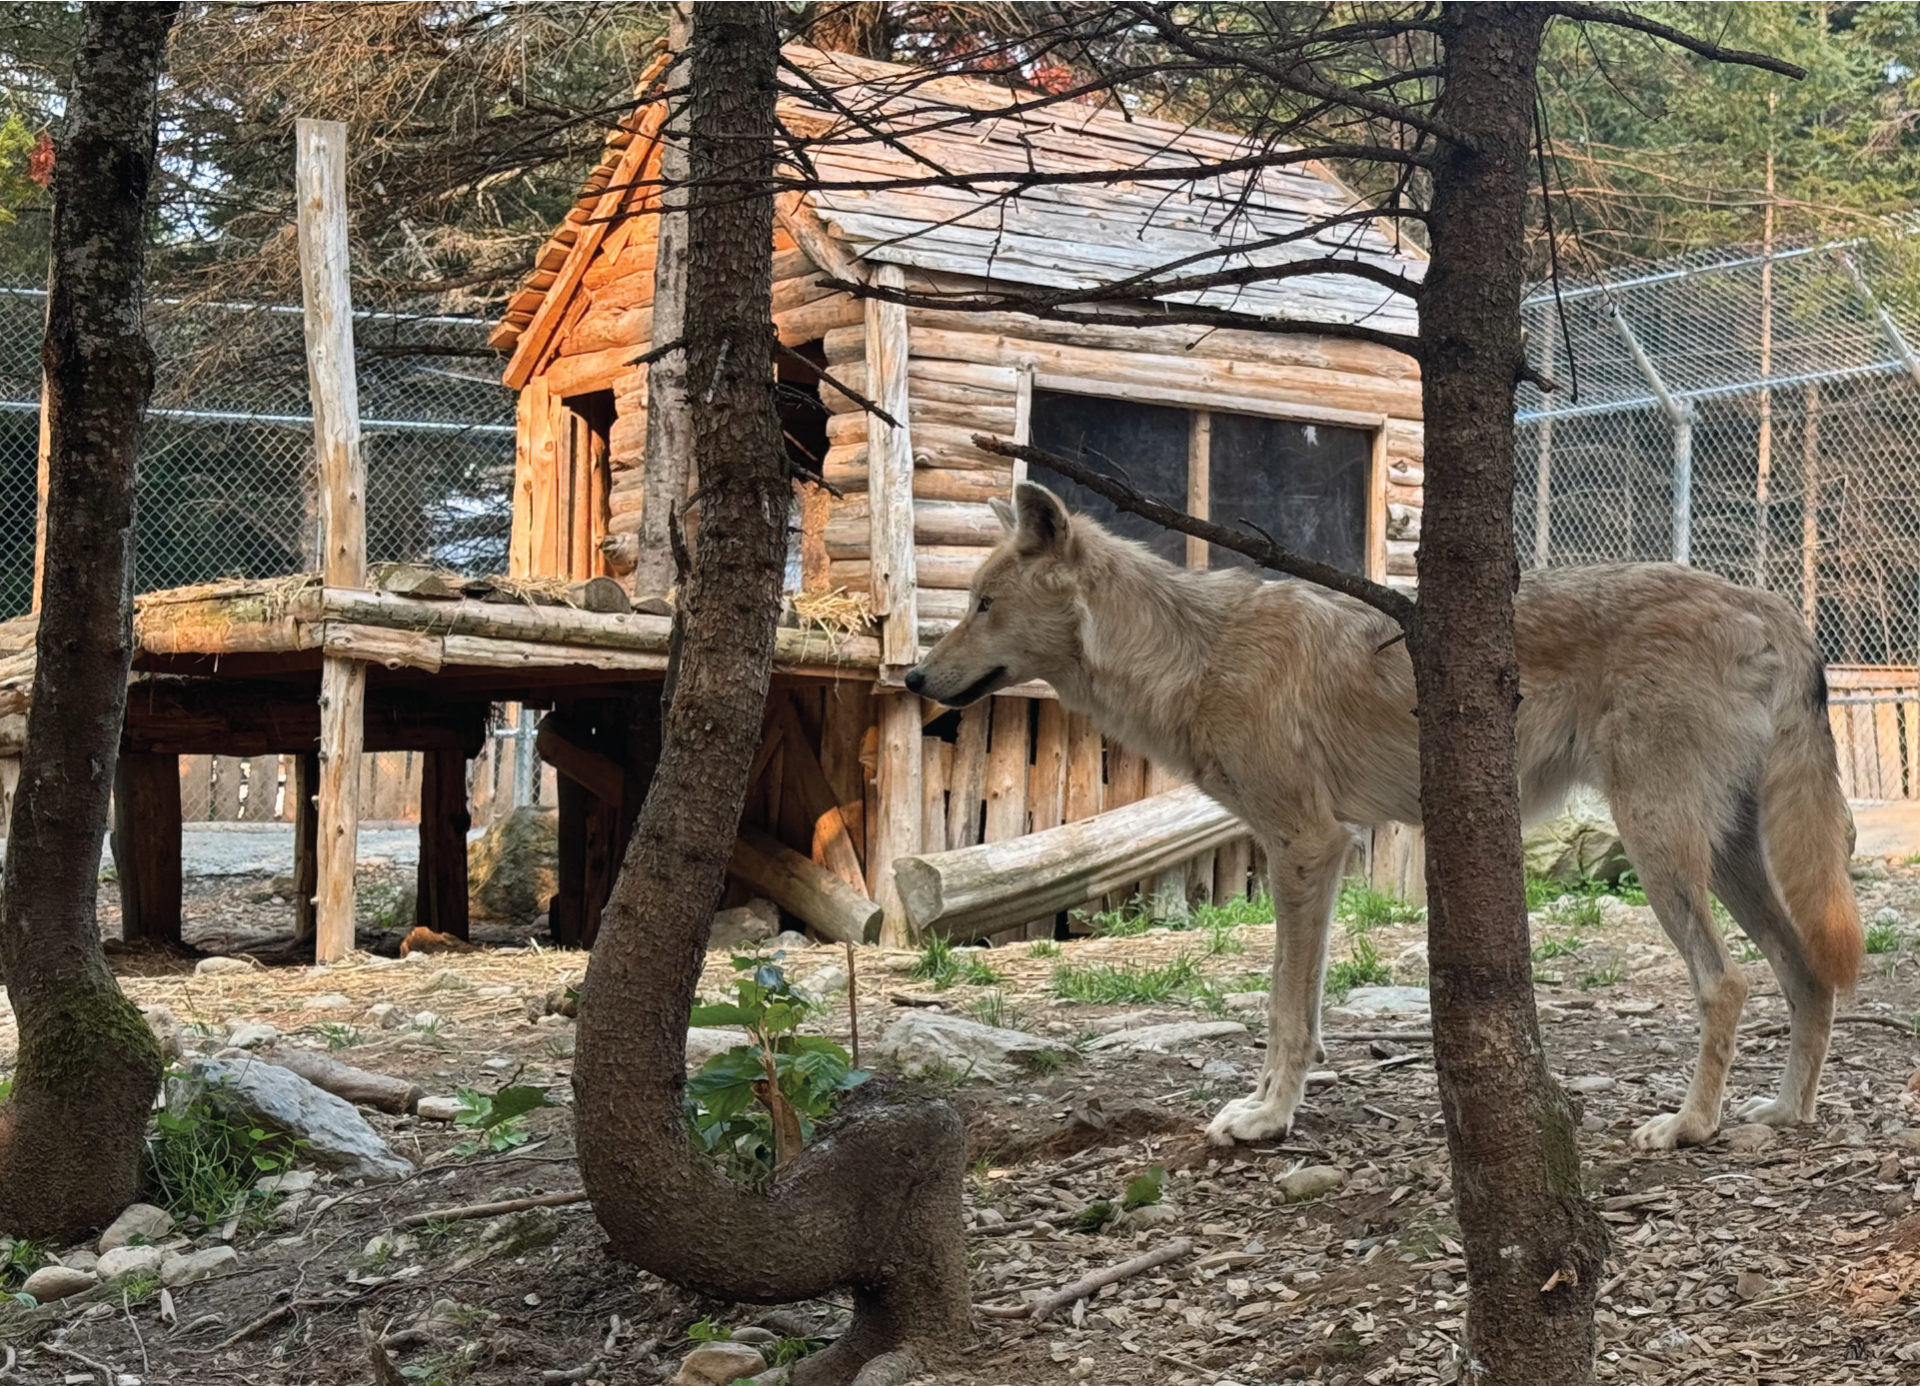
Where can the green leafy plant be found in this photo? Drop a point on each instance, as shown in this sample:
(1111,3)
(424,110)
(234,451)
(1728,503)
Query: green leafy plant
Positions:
(1548,949)
(338,1036)
(709,1331)
(497,1120)
(784,1352)
(1607,975)
(1145,1190)
(1043,948)
(201,1159)
(974,973)
(1362,969)
(1577,912)
(1222,937)
(754,1105)
(22,1259)
(1883,938)
(995,1010)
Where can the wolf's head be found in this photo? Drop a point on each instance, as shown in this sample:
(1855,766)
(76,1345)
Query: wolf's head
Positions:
(1022,618)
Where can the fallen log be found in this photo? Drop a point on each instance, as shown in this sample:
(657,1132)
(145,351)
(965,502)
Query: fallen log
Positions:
(362,1087)
(829,906)
(970,892)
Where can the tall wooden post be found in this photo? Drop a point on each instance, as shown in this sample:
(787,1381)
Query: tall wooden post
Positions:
(146,846)
(321,189)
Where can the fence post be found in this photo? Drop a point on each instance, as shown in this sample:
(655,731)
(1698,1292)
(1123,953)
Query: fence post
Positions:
(321,188)
(1680,414)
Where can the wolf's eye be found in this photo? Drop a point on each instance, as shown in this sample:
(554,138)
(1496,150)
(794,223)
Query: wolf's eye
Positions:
(985,602)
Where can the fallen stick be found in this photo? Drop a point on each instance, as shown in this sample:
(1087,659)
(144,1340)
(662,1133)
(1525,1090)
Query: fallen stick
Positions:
(1007,1229)
(487,1210)
(362,1087)
(1765,1029)
(1088,1284)
(1365,1036)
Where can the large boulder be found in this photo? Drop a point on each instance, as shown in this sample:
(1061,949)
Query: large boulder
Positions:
(1582,844)
(278,1099)
(511,867)
(933,1043)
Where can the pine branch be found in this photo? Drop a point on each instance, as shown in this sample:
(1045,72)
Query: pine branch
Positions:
(1627,19)
(1261,550)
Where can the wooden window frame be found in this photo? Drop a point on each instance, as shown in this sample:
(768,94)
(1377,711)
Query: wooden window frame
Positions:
(1201,407)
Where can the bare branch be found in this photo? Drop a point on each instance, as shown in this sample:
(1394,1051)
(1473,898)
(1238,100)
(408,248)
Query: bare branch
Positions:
(1265,552)
(1627,19)
(1164,314)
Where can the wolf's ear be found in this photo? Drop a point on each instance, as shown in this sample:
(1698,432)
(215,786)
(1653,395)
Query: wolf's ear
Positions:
(1041,516)
(1003,512)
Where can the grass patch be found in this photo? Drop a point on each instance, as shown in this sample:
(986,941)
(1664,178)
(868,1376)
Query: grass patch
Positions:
(1043,948)
(200,1161)
(1542,891)
(1607,975)
(1103,984)
(974,973)
(994,1009)
(1547,949)
(1883,938)
(936,964)
(1363,969)
(1577,912)
(1363,908)
(1139,915)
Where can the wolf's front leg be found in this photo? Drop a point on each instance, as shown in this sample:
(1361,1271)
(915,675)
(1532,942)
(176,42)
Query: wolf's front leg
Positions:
(1306,879)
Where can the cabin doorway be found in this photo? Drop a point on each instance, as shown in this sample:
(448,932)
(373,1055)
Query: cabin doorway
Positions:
(580,506)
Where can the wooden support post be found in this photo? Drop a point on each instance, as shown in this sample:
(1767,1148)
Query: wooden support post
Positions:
(1167,889)
(897,833)
(890,482)
(441,898)
(146,847)
(967,784)
(936,763)
(303,795)
(321,198)
(566,912)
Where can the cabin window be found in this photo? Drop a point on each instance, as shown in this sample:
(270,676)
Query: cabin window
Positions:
(1306,484)
(803,425)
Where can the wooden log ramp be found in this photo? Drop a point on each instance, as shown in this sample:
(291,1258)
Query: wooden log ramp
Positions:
(974,891)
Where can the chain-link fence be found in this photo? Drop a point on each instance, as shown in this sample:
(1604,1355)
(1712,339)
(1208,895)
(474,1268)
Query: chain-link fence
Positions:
(1755,414)
(226,480)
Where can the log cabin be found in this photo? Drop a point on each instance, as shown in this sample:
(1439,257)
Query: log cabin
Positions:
(1315,438)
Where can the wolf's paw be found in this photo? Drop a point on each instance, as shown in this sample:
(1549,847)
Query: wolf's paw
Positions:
(1250,1119)
(1677,1129)
(1768,1111)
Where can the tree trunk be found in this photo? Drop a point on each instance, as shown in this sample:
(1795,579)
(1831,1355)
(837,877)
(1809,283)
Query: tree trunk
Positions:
(1534,1246)
(663,479)
(874,1203)
(71,1134)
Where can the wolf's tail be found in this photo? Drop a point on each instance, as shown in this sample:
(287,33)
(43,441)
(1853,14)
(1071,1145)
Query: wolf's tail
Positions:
(1806,827)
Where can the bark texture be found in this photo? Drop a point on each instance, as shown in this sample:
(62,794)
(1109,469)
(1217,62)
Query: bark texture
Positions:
(874,1204)
(1534,1246)
(71,1133)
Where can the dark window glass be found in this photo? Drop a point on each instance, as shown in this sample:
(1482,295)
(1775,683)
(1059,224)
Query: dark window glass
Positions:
(1144,444)
(1305,484)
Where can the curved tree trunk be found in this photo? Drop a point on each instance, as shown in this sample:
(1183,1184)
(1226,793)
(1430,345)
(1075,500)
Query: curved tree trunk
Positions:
(874,1204)
(1534,1246)
(70,1136)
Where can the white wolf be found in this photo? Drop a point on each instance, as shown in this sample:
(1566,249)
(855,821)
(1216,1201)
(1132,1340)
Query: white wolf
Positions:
(1698,707)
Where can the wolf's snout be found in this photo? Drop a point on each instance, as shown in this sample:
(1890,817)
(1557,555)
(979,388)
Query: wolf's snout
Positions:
(916,679)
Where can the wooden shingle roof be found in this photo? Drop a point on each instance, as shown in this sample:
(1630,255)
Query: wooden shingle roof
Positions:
(1058,236)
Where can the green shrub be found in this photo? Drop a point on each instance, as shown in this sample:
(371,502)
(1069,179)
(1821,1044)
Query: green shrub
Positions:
(1362,969)
(1364,908)
(1103,984)
(201,1160)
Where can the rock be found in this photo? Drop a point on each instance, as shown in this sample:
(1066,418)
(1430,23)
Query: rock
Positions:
(1150,1215)
(386,1015)
(703,1042)
(511,867)
(1749,1137)
(1245,1000)
(745,927)
(1311,1182)
(447,979)
(1750,1285)
(1410,966)
(1373,1003)
(57,1282)
(825,984)
(252,1034)
(1164,1039)
(425,1020)
(278,1099)
(208,967)
(1908,1140)
(754,1337)
(1590,1082)
(80,1259)
(1582,844)
(124,1261)
(933,1042)
(718,1364)
(437,1108)
(141,1222)
(788,940)
(292,1181)
(511,1235)
(166,1029)
(326,1001)
(1127,1020)
(190,1266)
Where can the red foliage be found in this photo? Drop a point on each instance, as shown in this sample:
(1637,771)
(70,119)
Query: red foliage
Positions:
(40,162)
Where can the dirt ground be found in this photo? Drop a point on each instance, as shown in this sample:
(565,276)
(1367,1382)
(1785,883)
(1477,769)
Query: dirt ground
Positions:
(1797,1262)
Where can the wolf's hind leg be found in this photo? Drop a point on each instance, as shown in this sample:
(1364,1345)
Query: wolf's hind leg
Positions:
(1740,879)
(1673,858)
(1306,878)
